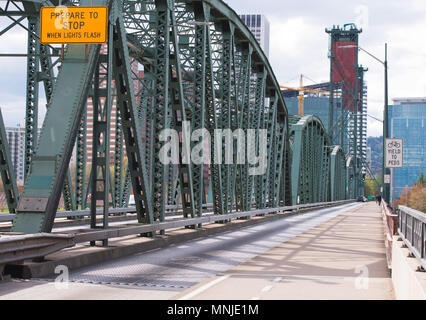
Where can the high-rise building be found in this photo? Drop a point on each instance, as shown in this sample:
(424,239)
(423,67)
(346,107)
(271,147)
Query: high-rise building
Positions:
(259,26)
(369,159)
(16,141)
(113,120)
(406,120)
(318,106)
(361,130)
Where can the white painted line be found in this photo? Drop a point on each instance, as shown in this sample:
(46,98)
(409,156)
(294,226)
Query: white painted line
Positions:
(266,289)
(204,288)
(277,279)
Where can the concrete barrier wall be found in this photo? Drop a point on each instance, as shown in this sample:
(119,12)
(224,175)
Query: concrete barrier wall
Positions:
(408,283)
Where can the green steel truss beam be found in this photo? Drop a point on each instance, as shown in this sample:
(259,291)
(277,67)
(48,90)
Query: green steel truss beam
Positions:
(181,112)
(212,124)
(33,62)
(126,102)
(198,119)
(242,177)
(80,166)
(117,198)
(310,160)
(101,101)
(49,165)
(200,64)
(47,76)
(257,123)
(6,170)
(337,174)
(225,110)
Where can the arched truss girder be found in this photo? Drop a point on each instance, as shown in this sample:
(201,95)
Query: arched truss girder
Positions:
(338,177)
(201,64)
(310,160)
(350,174)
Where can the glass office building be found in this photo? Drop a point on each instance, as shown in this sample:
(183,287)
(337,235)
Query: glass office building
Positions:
(318,106)
(406,120)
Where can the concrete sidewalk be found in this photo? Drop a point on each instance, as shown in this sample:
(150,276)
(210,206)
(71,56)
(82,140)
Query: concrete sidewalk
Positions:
(343,258)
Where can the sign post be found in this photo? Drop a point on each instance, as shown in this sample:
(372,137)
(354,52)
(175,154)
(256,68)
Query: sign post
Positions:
(393,159)
(62,24)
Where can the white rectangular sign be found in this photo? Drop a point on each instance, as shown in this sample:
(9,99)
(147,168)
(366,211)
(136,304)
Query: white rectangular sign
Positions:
(387,178)
(394,152)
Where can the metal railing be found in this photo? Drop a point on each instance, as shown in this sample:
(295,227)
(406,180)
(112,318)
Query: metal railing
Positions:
(412,229)
(43,244)
(390,221)
(5,217)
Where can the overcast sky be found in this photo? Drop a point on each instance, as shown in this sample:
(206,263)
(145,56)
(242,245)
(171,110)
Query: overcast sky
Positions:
(298,45)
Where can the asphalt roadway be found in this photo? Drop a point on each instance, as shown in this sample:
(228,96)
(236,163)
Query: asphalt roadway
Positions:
(177,271)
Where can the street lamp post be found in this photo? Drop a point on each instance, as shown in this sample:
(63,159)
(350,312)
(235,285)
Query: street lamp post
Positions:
(385,171)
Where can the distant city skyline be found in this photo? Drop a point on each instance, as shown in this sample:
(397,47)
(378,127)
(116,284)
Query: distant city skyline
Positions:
(299,44)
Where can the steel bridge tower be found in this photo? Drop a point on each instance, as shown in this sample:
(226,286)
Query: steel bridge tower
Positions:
(346,78)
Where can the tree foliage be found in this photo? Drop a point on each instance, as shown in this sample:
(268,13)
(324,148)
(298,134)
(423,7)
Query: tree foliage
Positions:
(415,197)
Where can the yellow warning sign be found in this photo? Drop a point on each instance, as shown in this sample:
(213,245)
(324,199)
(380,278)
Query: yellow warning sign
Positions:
(73,24)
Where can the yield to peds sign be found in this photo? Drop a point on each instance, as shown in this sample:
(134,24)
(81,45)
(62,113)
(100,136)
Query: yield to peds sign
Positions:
(73,24)
(394,153)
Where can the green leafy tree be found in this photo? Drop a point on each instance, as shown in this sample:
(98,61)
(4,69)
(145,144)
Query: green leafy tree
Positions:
(421,180)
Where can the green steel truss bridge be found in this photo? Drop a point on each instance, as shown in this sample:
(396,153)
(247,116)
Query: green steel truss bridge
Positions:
(200,64)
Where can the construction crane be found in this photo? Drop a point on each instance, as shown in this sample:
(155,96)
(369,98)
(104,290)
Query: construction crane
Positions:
(302,90)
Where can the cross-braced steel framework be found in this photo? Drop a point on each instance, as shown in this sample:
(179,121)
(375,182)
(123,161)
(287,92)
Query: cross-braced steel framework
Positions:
(203,71)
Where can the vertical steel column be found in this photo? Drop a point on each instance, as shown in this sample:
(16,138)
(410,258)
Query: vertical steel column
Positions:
(6,170)
(269,176)
(31,116)
(126,188)
(118,161)
(161,105)
(198,114)
(101,147)
(258,123)
(126,102)
(242,176)
(212,123)
(80,167)
(226,112)
(280,163)
(181,111)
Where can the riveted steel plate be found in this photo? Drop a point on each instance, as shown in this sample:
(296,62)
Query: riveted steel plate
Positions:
(30,204)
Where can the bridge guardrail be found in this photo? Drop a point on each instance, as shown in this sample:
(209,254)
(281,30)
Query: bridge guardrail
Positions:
(7,217)
(412,229)
(390,221)
(39,245)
